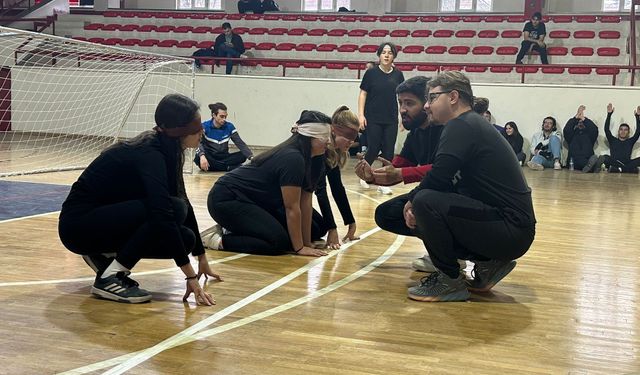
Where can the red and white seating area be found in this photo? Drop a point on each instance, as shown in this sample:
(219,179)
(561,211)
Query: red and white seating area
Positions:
(336,42)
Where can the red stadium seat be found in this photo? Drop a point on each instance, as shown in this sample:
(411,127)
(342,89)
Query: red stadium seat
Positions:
(404,67)
(482,50)
(507,50)
(586,19)
(494,19)
(348,48)
(110,13)
(465,33)
(234,17)
(414,49)
(272,64)
(562,19)
(130,42)
(149,43)
(610,19)
(305,47)
(511,34)
(450,19)
(501,69)
(309,17)
(584,34)
(258,31)
(488,34)
(168,43)
(290,17)
(313,65)
(277,31)
(111,27)
(408,18)
(285,46)
(559,34)
(389,19)
(129,27)
(94,26)
(368,18)
(317,32)
(144,15)
(475,69)
(579,70)
(326,47)
(368,48)
(558,51)
(81,38)
(338,32)
(165,29)
(265,46)
(581,51)
(296,31)
(452,68)
(216,16)
(357,33)
(609,34)
(208,44)
(253,17)
(328,18)
(378,33)
(400,33)
(335,66)
(147,28)
(421,33)
(608,51)
(249,45)
(183,29)
(527,69)
(552,70)
(197,16)
(96,40)
(472,19)
(427,68)
(271,17)
(112,41)
(187,44)
(240,30)
(443,33)
(429,19)
(356,66)
(607,71)
(179,16)
(517,19)
(201,30)
(347,18)
(459,50)
(436,50)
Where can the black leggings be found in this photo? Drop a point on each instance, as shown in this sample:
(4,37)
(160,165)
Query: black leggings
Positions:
(453,226)
(223,163)
(123,228)
(380,138)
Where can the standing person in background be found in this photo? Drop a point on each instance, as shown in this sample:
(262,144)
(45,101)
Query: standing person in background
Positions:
(516,141)
(131,201)
(378,108)
(213,152)
(534,33)
(621,147)
(344,129)
(228,44)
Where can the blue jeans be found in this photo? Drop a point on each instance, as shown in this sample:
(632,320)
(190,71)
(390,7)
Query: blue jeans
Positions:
(226,51)
(555,147)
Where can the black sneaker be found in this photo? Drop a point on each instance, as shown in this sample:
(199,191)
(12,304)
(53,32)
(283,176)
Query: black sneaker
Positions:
(487,274)
(119,288)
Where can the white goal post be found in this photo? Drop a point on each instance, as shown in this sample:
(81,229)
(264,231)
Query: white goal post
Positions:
(62,101)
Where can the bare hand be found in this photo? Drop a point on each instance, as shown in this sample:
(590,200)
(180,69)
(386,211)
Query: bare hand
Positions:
(384,161)
(333,240)
(205,269)
(363,122)
(409,218)
(610,108)
(580,114)
(202,297)
(204,163)
(351,234)
(387,176)
(364,171)
(311,252)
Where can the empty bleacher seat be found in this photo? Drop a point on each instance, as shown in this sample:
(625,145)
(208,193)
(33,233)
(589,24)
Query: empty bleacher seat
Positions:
(443,33)
(389,19)
(165,28)
(96,40)
(488,34)
(450,18)
(609,34)
(183,29)
(607,71)
(337,32)
(265,46)
(465,33)
(253,17)
(368,18)
(201,30)
(313,65)
(149,43)
(421,33)
(436,50)
(472,19)
(356,66)
(326,47)
(348,48)
(584,34)
(517,19)
(328,18)
(400,33)
(560,34)
(511,34)
(494,19)
(506,50)
(249,45)
(258,31)
(285,46)
(403,67)
(206,44)
(608,51)
(129,27)
(147,28)
(526,69)
(305,47)
(586,19)
(277,31)
(378,33)
(501,69)
(579,70)
(552,70)
(557,51)
(297,31)
(94,26)
(347,18)
(309,17)
(368,48)
(459,50)
(413,49)
(290,17)
(427,68)
(357,32)
(582,51)
(317,32)
(186,44)
(168,43)
(610,19)
(335,65)
(240,30)
(482,50)
(130,42)
(112,41)
(475,69)
(429,19)
(408,18)
(562,19)
(452,68)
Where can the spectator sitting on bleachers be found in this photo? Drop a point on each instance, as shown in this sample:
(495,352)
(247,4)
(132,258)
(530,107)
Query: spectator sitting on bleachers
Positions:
(269,6)
(533,34)
(621,147)
(245,6)
(228,44)
(213,152)
(513,136)
(546,146)
(581,135)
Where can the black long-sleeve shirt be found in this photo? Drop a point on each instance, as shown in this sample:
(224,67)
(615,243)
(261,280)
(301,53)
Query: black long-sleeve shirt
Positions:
(515,140)
(621,149)
(339,196)
(145,172)
(580,140)
(236,40)
(475,160)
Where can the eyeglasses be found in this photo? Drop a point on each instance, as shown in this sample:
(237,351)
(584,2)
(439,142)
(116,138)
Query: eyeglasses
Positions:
(431,97)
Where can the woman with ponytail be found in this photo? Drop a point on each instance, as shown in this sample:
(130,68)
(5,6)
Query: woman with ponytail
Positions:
(130,203)
(344,131)
(265,206)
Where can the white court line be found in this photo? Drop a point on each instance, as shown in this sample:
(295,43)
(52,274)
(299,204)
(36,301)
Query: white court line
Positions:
(167,343)
(28,217)
(250,319)
(164,270)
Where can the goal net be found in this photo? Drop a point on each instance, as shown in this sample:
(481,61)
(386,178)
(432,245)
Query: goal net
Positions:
(62,101)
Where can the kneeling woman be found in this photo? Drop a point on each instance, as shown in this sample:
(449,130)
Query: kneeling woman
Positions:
(248,201)
(131,201)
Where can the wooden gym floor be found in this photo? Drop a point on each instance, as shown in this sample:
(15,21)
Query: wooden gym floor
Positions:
(570,306)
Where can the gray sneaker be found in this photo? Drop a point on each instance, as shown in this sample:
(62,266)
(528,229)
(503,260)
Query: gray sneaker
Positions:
(119,288)
(424,264)
(439,287)
(489,273)
(591,163)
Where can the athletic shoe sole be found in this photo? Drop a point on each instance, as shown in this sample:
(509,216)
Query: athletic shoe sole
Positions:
(502,272)
(462,295)
(113,297)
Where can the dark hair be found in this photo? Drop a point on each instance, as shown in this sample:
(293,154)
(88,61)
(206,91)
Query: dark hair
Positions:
(537,15)
(555,123)
(455,80)
(215,107)
(416,86)
(514,127)
(226,25)
(175,110)
(480,105)
(394,49)
(624,125)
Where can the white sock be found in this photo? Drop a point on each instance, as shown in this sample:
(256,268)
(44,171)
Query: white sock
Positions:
(114,268)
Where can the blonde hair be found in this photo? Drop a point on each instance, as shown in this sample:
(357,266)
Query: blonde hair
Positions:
(342,118)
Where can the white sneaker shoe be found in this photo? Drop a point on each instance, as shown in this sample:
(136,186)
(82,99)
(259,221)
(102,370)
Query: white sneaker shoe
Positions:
(212,237)
(557,165)
(385,190)
(424,264)
(364,184)
(535,166)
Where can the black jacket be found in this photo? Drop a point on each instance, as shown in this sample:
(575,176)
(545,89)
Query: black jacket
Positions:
(238,44)
(580,141)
